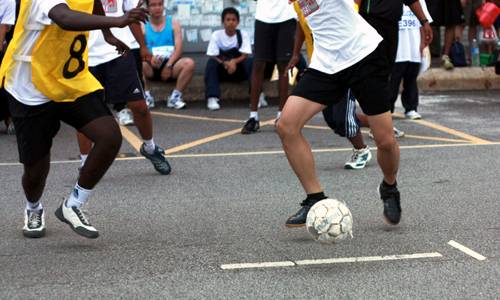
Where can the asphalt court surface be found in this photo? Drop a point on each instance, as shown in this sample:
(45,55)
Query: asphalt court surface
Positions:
(214,228)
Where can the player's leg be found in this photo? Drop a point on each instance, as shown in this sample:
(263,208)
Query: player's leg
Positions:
(183,71)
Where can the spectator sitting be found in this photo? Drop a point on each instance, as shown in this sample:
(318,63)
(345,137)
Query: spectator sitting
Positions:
(228,50)
(164,39)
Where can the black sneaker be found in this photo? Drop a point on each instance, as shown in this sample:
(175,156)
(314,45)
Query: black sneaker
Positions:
(392,206)
(299,219)
(251,125)
(34,224)
(158,160)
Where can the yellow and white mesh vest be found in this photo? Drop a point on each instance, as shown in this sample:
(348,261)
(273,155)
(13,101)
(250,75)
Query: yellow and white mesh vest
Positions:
(59,62)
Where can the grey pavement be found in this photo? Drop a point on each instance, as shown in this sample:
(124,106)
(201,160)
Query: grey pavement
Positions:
(226,201)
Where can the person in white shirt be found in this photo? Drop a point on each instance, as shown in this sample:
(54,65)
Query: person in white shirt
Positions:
(7,20)
(346,55)
(275,23)
(228,50)
(410,47)
(46,75)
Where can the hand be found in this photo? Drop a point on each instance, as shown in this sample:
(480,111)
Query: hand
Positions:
(231,67)
(166,73)
(136,15)
(120,46)
(145,54)
(291,64)
(464,3)
(429,34)
(155,61)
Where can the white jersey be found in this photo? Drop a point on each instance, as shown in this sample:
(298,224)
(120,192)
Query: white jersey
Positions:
(274,11)
(7,12)
(409,35)
(221,41)
(99,50)
(341,36)
(20,84)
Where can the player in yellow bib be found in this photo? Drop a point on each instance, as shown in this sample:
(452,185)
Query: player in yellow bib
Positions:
(45,72)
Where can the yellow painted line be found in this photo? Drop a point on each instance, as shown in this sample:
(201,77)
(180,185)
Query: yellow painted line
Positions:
(196,118)
(446,129)
(131,138)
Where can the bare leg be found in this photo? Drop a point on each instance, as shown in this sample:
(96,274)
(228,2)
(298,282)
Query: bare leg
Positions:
(142,118)
(257,78)
(34,178)
(183,71)
(282,84)
(449,33)
(147,70)
(296,113)
(357,141)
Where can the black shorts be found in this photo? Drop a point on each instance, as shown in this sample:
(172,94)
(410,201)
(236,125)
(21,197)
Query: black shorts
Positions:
(120,80)
(157,71)
(445,12)
(368,79)
(37,125)
(274,42)
(389,30)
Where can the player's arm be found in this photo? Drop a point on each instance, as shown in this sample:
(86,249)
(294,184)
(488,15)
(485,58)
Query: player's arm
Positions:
(139,37)
(3,31)
(176,28)
(416,8)
(299,41)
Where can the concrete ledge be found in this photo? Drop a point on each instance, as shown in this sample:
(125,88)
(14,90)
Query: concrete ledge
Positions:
(434,79)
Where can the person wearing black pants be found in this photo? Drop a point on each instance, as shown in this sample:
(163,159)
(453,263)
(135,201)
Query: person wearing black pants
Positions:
(408,72)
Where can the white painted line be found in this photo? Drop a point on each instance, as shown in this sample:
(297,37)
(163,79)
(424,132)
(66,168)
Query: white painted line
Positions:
(466,250)
(258,265)
(367,258)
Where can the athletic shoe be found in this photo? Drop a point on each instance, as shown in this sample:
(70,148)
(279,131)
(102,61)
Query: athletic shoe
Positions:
(158,160)
(251,125)
(397,133)
(34,224)
(11,129)
(359,159)
(413,115)
(176,102)
(446,63)
(392,206)
(213,103)
(150,100)
(262,100)
(299,219)
(76,219)
(124,117)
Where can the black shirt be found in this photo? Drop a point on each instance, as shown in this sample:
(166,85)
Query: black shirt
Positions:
(387,9)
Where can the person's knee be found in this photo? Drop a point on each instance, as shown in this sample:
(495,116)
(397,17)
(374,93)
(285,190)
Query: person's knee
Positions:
(386,143)
(285,128)
(189,65)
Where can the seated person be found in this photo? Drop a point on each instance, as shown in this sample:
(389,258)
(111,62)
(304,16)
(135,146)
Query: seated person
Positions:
(228,50)
(164,39)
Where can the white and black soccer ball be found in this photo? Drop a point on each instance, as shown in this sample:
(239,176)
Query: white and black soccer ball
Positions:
(329,221)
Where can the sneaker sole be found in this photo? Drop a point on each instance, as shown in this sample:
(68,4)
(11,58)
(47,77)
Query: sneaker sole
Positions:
(295,225)
(250,131)
(84,233)
(34,234)
(349,167)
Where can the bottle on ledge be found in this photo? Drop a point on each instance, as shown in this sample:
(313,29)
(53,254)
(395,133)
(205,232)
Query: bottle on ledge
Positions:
(475,53)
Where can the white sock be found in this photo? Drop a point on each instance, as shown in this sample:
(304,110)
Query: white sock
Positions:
(147,93)
(255,115)
(78,197)
(33,206)
(278,115)
(149,146)
(84,158)
(176,93)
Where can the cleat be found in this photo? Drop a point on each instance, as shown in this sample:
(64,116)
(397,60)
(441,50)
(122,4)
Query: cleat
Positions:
(299,219)
(251,125)
(392,205)
(158,160)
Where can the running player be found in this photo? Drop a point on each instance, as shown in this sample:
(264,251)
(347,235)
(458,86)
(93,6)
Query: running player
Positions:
(46,76)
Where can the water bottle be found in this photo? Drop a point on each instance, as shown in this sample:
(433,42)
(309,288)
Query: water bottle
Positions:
(475,53)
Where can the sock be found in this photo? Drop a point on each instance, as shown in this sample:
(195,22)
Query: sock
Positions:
(278,115)
(78,196)
(84,158)
(255,115)
(176,93)
(33,206)
(147,93)
(317,196)
(389,186)
(149,146)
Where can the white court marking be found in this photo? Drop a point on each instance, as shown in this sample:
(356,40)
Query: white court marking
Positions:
(466,250)
(329,261)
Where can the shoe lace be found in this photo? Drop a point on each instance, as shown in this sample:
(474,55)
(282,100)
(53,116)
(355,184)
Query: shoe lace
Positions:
(81,215)
(308,202)
(34,219)
(354,155)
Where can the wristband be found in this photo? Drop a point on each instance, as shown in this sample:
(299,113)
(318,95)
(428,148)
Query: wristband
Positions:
(423,22)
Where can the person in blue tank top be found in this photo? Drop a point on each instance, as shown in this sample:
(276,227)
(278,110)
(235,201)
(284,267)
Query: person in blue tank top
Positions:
(164,40)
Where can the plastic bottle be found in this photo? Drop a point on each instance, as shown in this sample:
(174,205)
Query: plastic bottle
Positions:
(475,53)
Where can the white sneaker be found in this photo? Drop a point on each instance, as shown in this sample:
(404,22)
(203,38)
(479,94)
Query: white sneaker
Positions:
(124,117)
(413,115)
(34,223)
(77,220)
(175,102)
(262,100)
(213,103)
(358,159)
(397,133)
(150,100)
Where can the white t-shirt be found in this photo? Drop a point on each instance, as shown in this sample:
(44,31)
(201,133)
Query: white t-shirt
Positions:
(409,35)
(99,50)
(341,36)
(221,41)
(8,12)
(19,82)
(274,11)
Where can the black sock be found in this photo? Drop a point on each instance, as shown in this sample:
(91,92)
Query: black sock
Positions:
(317,196)
(389,186)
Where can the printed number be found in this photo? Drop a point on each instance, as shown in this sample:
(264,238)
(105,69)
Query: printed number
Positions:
(78,55)
(408,23)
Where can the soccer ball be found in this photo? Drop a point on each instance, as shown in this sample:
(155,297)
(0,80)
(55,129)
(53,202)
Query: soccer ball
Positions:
(329,221)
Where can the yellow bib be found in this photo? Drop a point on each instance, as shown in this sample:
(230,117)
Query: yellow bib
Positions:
(59,61)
